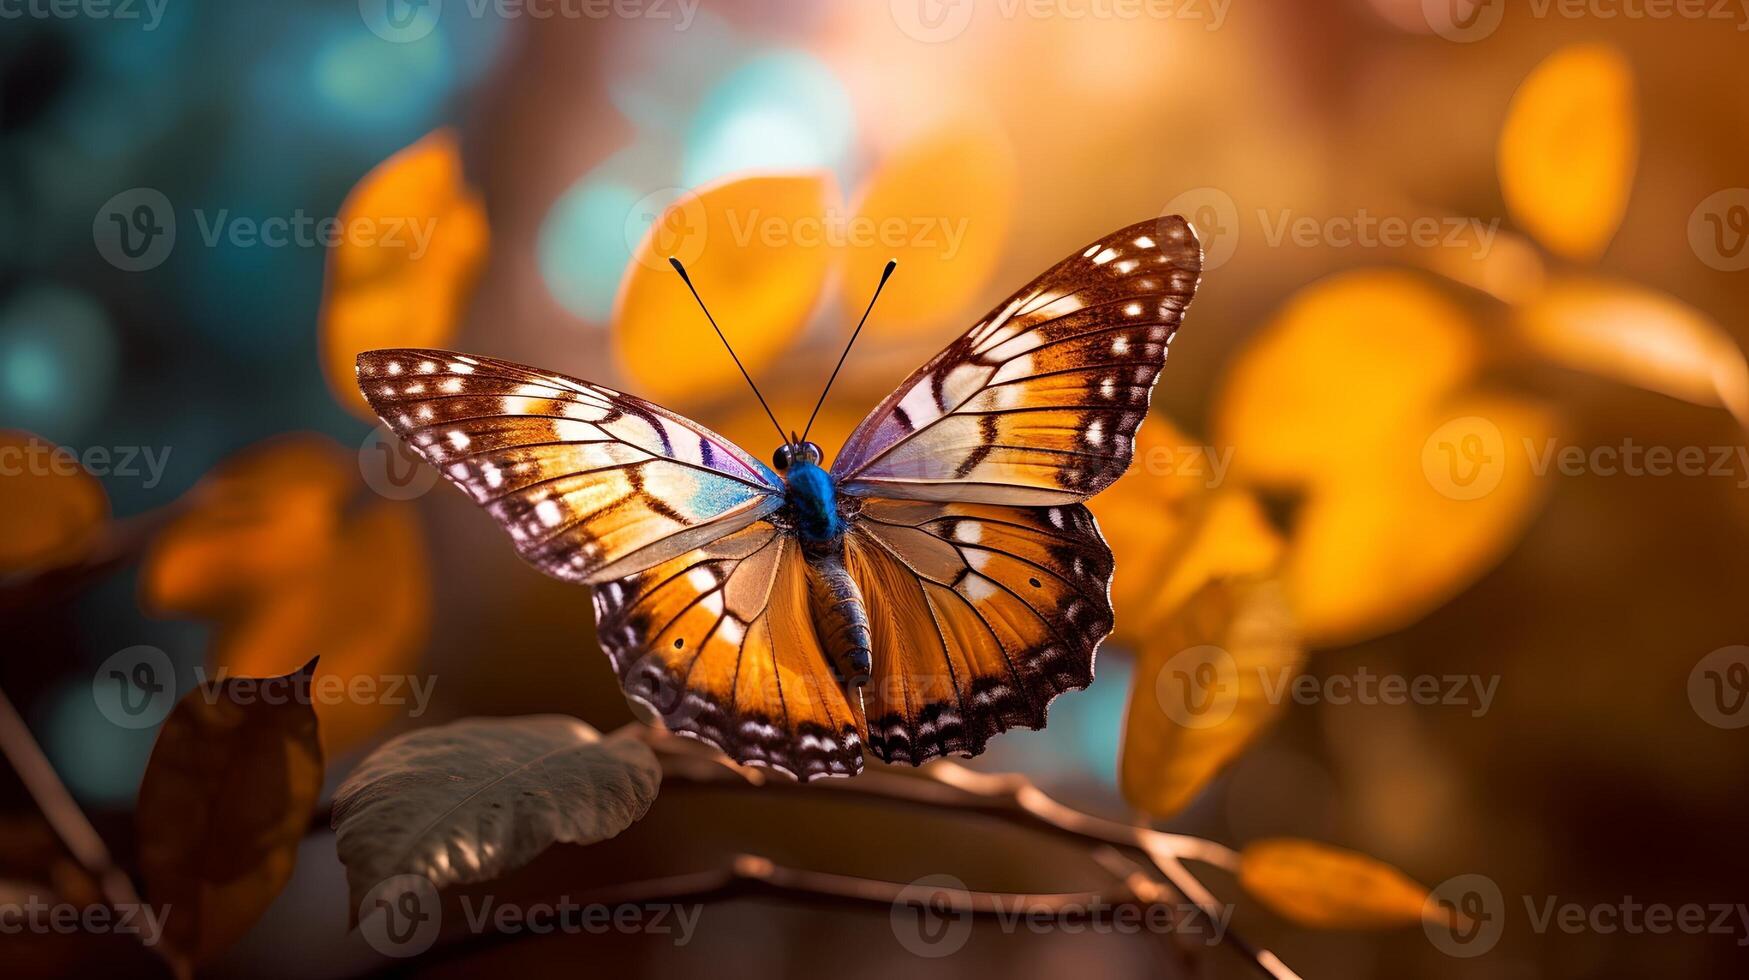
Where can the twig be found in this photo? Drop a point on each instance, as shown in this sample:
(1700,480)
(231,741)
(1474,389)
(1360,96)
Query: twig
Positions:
(1007,796)
(60,809)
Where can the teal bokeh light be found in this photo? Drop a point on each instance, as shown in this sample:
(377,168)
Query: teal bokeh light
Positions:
(57,361)
(783,110)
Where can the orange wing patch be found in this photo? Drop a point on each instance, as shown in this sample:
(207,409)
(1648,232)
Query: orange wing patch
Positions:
(720,644)
(980,616)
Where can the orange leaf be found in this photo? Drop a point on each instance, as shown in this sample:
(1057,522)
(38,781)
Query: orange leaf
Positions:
(51,510)
(412,239)
(1387,538)
(755,251)
(1334,374)
(365,609)
(1569,147)
(225,801)
(1172,530)
(1208,682)
(942,205)
(264,516)
(1640,336)
(1323,887)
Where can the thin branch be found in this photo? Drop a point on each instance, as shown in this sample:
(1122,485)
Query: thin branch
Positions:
(1007,796)
(60,809)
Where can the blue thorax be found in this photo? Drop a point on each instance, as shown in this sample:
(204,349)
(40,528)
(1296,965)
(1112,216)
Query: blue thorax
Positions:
(814,501)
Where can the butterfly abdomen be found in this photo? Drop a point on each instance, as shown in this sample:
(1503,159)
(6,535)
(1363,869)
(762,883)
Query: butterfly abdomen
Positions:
(840,619)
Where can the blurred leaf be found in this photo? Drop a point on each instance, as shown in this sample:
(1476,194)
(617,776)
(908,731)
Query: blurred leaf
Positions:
(1323,887)
(942,205)
(1331,378)
(366,609)
(1389,537)
(478,798)
(413,239)
(51,510)
(1569,148)
(1640,336)
(1173,526)
(1208,681)
(755,251)
(226,798)
(268,514)
(1505,266)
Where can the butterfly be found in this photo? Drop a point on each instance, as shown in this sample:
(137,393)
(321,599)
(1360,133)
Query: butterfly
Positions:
(940,583)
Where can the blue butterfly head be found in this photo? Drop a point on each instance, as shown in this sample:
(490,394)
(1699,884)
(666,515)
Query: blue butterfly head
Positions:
(812,497)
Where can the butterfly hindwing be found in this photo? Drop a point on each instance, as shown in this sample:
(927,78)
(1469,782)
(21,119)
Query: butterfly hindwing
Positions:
(981,614)
(590,483)
(719,642)
(1039,403)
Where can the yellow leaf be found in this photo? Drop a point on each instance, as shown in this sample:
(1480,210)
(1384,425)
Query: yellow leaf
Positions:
(1144,514)
(1640,336)
(757,252)
(264,516)
(1569,148)
(365,610)
(1323,887)
(942,206)
(1207,684)
(1337,370)
(412,237)
(51,510)
(1389,537)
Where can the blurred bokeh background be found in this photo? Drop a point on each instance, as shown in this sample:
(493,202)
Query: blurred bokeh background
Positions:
(1463,377)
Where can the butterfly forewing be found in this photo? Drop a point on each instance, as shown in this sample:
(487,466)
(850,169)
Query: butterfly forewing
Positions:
(590,483)
(1039,403)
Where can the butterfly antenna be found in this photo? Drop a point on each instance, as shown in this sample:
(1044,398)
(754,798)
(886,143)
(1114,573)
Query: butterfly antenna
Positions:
(707,315)
(885,274)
